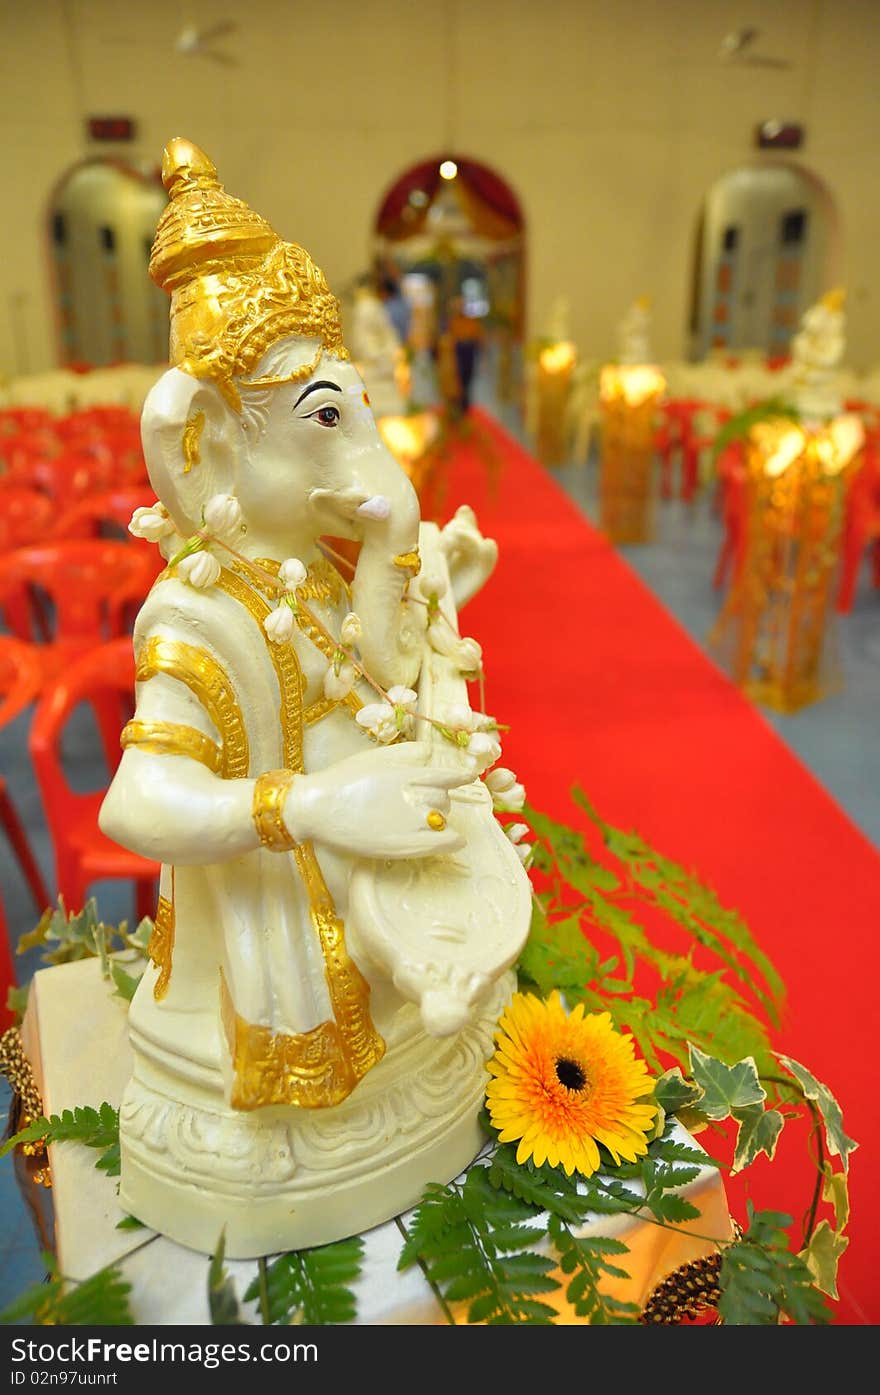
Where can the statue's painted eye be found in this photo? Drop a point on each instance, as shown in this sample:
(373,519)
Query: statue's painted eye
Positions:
(327,416)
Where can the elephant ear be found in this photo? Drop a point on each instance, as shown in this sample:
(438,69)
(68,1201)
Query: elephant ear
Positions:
(192,443)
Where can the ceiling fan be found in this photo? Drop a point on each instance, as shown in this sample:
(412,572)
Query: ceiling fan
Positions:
(194,41)
(738,48)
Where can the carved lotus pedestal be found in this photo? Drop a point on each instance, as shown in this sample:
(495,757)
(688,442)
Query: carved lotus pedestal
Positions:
(281,1178)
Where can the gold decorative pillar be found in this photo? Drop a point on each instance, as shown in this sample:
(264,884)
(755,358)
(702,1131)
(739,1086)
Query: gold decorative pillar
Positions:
(556,363)
(629,396)
(775,635)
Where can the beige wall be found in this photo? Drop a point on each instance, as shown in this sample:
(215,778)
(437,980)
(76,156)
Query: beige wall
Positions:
(610,119)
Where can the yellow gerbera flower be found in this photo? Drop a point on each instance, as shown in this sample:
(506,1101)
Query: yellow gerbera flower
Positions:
(564,1082)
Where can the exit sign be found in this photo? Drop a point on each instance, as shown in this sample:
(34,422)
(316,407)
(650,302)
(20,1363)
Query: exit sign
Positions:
(110,127)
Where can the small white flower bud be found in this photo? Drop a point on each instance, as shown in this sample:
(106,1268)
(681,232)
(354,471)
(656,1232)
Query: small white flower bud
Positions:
(351,629)
(516,831)
(200,570)
(484,749)
(278,624)
(510,801)
(378,718)
(402,697)
(468,655)
(292,573)
(222,513)
(432,585)
(151,523)
(500,779)
(337,686)
(459,716)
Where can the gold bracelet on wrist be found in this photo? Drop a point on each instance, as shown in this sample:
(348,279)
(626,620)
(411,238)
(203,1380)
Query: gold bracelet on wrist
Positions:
(270,791)
(408,562)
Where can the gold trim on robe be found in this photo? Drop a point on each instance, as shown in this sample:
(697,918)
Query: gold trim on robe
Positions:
(160,950)
(320,1067)
(201,673)
(173,739)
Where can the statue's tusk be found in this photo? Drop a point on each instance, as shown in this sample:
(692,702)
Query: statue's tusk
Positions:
(375,507)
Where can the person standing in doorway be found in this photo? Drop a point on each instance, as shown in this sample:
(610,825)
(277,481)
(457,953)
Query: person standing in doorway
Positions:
(466,336)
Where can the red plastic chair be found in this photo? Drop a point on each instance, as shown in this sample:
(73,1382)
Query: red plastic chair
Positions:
(66,477)
(108,515)
(679,415)
(861,528)
(83,854)
(88,422)
(21,674)
(696,444)
(80,592)
(25,516)
(732,477)
(16,419)
(20,448)
(666,446)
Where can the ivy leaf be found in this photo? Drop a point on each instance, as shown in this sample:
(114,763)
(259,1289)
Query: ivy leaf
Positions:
(126,984)
(16,1000)
(101,1300)
(96,1128)
(222,1297)
(839,1145)
(758,1132)
(140,937)
(130,1223)
(312,1286)
(836,1192)
(672,1092)
(726,1089)
(761,1280)
(822,1257)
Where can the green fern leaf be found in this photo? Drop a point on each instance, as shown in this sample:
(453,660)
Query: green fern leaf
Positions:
(96,1128)
(586,1259)
(493,1266)
(222,1298)
(312,1286)
(544,1188)
(691,904)
(761,1280)
(101,1300)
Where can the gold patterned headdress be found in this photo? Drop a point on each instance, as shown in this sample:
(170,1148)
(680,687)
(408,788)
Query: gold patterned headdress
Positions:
(236,288)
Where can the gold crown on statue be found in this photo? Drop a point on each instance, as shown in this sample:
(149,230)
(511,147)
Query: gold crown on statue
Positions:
(236,288)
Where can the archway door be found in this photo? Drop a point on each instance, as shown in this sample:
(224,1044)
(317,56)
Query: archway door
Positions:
(102,220)
(461,229)
(768,245)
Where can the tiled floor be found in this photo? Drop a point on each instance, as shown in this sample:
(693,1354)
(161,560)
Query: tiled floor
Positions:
(836,738)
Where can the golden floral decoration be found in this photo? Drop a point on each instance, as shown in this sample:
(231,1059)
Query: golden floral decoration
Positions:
(566,1082)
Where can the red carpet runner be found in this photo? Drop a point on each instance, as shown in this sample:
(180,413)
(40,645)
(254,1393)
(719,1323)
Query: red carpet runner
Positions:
(602,687)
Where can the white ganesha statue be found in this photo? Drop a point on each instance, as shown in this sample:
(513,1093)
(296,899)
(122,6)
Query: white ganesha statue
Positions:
(340,908)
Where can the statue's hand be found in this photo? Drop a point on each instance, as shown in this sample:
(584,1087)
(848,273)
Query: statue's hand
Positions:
(376,803)
(470,557)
